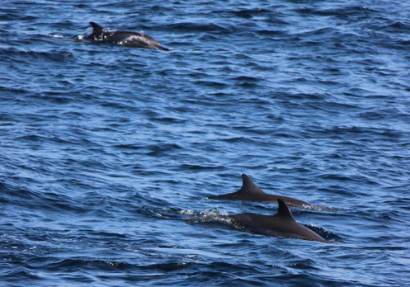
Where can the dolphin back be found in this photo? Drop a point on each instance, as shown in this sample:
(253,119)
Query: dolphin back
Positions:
(124,38)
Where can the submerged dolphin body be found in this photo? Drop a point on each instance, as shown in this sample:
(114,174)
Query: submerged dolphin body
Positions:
(249,191)
(124,38)
(280,225)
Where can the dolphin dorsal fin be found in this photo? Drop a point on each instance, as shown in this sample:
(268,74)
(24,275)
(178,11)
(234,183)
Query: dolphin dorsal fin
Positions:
(248,185)
(97,28)
(284,211)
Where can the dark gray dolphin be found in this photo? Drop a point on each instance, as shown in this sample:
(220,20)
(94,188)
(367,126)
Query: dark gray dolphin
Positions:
(280,225)
(249,191)
(124,38)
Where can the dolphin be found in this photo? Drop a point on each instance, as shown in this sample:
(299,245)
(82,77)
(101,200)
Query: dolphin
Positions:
(280,225)
(124,38)
(249,191)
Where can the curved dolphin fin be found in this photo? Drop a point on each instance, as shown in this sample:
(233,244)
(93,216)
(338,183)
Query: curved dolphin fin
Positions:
(249,186)
(97,28)
(284,211)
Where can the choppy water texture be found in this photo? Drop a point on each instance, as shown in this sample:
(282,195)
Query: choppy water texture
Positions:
(108,154)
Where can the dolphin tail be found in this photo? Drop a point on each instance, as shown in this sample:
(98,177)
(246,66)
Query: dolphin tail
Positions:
(159,47)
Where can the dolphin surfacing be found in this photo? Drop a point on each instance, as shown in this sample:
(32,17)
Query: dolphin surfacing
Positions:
(124,38)
(251,192)
(283,224)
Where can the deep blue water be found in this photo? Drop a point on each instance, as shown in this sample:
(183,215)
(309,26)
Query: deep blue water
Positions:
(108,154)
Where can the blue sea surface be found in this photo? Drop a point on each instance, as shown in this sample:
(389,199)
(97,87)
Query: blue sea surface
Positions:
(108,153)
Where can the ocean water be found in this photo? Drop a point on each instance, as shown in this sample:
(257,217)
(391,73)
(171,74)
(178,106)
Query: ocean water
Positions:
(108,153)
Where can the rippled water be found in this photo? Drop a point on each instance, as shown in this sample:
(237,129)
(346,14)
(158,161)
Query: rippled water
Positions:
(108,154)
